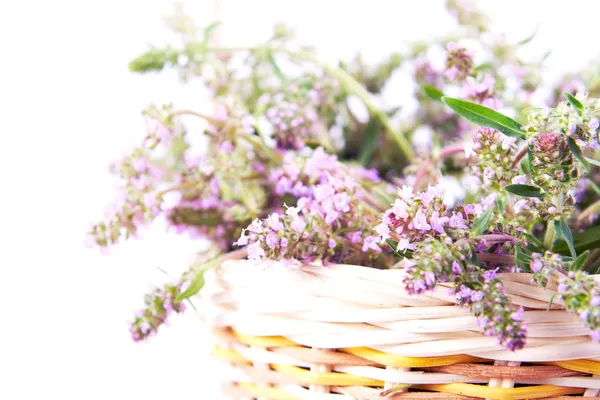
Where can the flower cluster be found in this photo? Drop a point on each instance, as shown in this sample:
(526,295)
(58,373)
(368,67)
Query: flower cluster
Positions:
(459,62)
(415,217)
(433,262)
(290,171)
(293,116)
(553,169)
(581,124)
(160,304)
(329,221)
(141,174)
(495,156)
(495,314)
(581,295)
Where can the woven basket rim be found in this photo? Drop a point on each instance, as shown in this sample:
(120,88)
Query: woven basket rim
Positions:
(346,306)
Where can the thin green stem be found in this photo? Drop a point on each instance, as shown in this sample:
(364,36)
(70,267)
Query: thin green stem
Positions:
(354,87)
(549,237)
(205,117)
(593,209)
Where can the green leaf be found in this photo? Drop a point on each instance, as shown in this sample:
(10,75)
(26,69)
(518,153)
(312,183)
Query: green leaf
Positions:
(586,240)
(154,59)
(432,92)
(369,143)
(275,67)
(580,261)
(563,231)
(522,259)
(197,282)
(595,187)
(529,38)
(576,151)
(574,102)
(195,286)
(592,161)
(484,116)
(210,29)
(525,190)
(529,158)
(394,246)
(474,258)
(550,302)
(483,67)
(480,225)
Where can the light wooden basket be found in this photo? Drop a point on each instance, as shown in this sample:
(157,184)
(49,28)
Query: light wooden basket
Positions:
(350,332)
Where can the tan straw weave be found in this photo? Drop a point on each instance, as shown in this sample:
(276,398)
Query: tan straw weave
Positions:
(350,332)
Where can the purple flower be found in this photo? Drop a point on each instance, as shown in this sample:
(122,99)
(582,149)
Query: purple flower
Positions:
(420,222)
(272,240)
(490,274)
(243,240)
(563,287)
(342,201)
(383,230)
(456,268)
(536,265)
(274,222)
(399,209)
(298,224)
(438,222)
(355,237)
(255,252)
(457,221)
(406,193)
(371,243)
(477,296)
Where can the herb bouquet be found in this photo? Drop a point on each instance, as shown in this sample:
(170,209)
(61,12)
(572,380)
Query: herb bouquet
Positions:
(339,266)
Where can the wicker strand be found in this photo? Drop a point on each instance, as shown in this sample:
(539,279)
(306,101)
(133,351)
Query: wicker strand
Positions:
(319,368)
(593,392)
(322,341)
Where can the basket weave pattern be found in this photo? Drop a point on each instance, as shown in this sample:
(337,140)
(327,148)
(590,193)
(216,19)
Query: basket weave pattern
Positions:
(349,332)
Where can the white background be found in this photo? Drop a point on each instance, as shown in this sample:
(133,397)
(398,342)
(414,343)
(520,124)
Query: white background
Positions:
(69,106)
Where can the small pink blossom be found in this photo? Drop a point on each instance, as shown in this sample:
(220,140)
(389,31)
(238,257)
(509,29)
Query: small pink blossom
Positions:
(420,221)
(383,229)
(274,222)
(298,224)
(256,226)
(226,147)
(457,221)
(342,202)
(255,252)
(404,244)
(452,73)
(519,180)
(469,149)
(399,209)
(406,193)
(520,205)
(438,222)
(272,240)
(371,243)
(536,265)
(355,237)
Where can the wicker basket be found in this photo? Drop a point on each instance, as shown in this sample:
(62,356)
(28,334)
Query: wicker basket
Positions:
(349,332)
